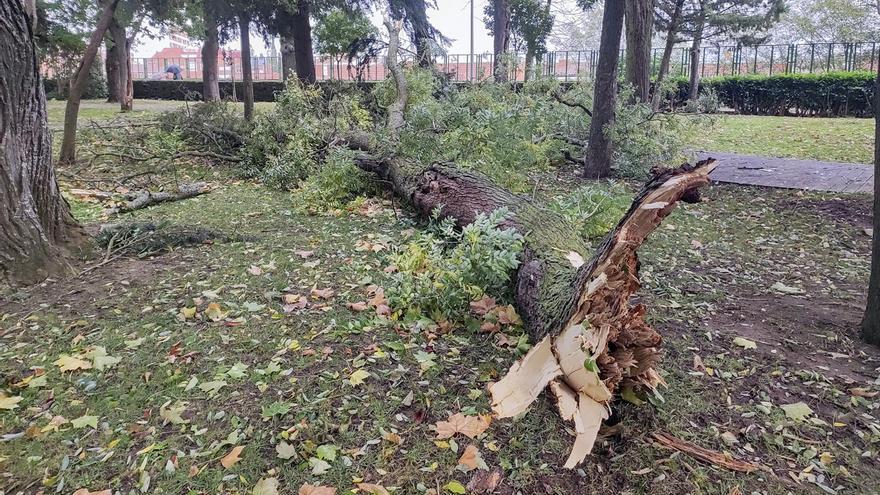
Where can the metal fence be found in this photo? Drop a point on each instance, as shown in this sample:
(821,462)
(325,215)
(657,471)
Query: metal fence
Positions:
(565,65)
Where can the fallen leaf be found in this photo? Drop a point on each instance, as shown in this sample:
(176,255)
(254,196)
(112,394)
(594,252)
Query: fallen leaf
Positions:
(285,450)
(308,489)
(85,491)
(9,403)
(304,254)
(55,423)
(485,481)
(786,289)
(266,486)
(797,411)
(862,392)
(232,457)
(471,459)
(171,413)
(319,466)
(392,437)
(469,426)
(70,363)
(214,313)
(483,305)
(454,487)
(83,421)
(358,377)
(357,306)
(745,343)
(373,489)
(255,270)
(575,259)
(322,293)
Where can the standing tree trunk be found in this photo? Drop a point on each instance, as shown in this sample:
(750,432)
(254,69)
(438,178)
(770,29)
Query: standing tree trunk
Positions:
(671,35)
(210,78)
(288,60)
(302,44)
(37,231)
(247,74)
(528,70)
(694,81)
(599,147)
(501,38)
(111,69)
(639,26)
(120,81)
(871,322)
(79,82)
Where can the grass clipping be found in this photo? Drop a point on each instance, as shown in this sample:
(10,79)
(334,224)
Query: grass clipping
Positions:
(603,321)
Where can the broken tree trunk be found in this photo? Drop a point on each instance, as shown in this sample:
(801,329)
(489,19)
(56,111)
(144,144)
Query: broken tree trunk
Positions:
(590,342)
(144,199)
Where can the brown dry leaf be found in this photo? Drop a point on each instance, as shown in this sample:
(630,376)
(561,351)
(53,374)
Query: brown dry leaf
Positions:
(483,305)
(373,489)
(85,491)
(507,315)
(490,327)
(304,254)
(232,457)
(862,392)
(322,293)
(705,455)
(698,363)
(255,270)
(485,481)
(383,310)
(393,437)
(469,426)
(357,306)
(308,489)
(378,298)
(290,298)
(471,458)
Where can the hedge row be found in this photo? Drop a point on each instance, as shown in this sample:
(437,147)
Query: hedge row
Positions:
(832,94)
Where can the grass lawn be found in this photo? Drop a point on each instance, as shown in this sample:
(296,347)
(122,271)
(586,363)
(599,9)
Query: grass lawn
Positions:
(841,140)
(100,110)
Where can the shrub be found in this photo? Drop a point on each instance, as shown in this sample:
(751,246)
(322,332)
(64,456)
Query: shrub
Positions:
(595,208)
(442,269)
(336,183)
(831,94)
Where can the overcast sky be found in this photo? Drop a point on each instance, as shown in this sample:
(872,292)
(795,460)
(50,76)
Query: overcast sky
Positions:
(452,18)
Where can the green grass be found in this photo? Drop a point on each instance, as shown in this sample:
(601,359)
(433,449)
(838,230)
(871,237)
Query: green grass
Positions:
(100,110)
(841,139)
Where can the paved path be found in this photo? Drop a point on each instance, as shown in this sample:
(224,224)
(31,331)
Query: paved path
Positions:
(791,173)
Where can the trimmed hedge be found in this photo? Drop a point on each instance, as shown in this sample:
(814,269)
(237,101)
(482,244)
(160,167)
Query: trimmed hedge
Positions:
(832,94)
(192,90)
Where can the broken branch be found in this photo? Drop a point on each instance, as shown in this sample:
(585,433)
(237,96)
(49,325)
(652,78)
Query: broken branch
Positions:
(144,199)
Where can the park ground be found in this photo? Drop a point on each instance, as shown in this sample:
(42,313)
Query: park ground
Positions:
(757,293)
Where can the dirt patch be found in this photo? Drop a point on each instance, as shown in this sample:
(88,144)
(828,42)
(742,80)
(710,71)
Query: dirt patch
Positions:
(813,334)
(855,211)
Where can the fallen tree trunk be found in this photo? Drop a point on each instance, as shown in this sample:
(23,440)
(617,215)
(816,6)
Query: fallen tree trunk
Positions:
(144,199)
(589,341)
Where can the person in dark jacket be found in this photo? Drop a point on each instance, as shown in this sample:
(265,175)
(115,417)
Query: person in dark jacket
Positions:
(175,70)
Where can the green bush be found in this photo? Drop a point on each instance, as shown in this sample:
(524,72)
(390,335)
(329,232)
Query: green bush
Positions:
(336,183)
(441,270)
(595,208)
(831,94)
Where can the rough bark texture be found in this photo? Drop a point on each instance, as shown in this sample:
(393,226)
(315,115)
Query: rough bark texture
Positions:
(111,69)
(288,60)
(146,199)
(671,36)
(599,148)
(37,231)
(639,28)
(302,43)
(210,48)
(244,22)
(80,80)
(694,80)
(501,38)
(871,322)
(120,82)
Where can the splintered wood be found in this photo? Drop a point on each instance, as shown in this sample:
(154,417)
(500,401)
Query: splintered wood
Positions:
(605,345)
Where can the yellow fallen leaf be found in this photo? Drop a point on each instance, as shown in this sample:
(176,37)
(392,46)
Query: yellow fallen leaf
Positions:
(188,313)
(70,363)
(358,377)
(232,457)
(55,423)
(214,313)
(373,489)
(9,403)
(308,489)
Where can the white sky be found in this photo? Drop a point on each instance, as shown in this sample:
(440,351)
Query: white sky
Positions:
(451,18)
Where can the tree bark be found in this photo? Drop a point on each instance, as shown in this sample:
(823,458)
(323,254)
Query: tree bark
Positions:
(79,82)
(210,49)
(671,35)
(111,69)
(870,328)
(599,147)
(288,61)
(302,43)
(639,27)
(528,70)
(694,81)
(121,53)
(247,74)
(37,231)
(501,38)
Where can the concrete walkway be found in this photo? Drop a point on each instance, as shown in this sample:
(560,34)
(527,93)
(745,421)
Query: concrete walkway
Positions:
(791,173)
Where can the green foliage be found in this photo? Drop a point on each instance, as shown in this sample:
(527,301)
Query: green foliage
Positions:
(209,126)
(442,269)
(643,139)
(340,30)
(336,183)
(530,24)
(831,94)
(594,208)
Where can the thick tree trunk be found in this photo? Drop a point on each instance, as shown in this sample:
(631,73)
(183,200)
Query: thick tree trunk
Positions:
(111,70)
(37,231)
(302,44)
(501,38)
(210,49)
(671,35)
(528,70)
(422,42)
(694,81)
(80,80)
(121,52)
(639,27)
(599,148)
(871,322)
(288,60)
(247,74)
